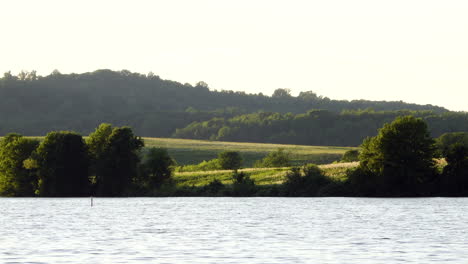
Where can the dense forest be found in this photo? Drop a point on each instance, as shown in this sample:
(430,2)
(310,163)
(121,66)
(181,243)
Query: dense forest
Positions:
(33,105)
(316,127)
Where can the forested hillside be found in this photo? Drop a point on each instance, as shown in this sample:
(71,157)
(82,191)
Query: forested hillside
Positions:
(316,127)
(34,105)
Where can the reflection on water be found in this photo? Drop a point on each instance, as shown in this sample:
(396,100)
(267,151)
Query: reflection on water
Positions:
(233,230)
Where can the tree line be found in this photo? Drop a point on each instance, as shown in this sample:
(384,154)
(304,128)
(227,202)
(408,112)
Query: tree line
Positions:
(34,105)
(316,127)
(402,160)
(109,162)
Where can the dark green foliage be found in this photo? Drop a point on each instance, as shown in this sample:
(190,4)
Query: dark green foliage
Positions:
(214,188)
(334,189)
(156,168)
(362,182)
(316,127)
(401,157)
(33,105)
(350,156)
(115,153)
(447,140)
(15,179)
(294,182)
(305,181)
(273,190)
(242,185)
(230,160)
(98,144)
(281,92)
(63,163)
(278,158)
(455,174)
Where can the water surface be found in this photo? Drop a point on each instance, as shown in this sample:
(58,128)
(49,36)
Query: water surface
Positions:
(233,230)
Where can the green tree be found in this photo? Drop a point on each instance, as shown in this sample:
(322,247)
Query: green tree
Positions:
(401,156)
(230,160)
(156,167)
(447,140)
(115,153)
(282,92)
(97,143)
(15,179)
(63,164)
(279,158)
(455,174)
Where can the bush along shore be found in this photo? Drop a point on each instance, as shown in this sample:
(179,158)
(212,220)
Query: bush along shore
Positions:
(402,160)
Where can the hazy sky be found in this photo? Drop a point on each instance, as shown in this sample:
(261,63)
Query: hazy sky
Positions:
(410,50)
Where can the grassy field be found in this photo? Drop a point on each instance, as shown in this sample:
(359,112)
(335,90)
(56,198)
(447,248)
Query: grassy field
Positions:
(261,176)
(188,151)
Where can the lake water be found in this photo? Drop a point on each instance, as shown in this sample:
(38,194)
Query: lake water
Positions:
(234,230)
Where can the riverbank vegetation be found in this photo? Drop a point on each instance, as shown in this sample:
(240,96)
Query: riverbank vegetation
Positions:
(401,160)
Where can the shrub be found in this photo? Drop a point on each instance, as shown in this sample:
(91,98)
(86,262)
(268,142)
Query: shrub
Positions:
(242,184)
(350,156)
(362,182)
(230,160)
(305,181)
(278,158)
(215,187)
(202,166)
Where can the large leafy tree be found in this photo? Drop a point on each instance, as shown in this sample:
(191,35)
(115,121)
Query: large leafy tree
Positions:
(115,153)
(401,157)
(97,143)
(156,167)
(63,163)
(15,179)
(455,174)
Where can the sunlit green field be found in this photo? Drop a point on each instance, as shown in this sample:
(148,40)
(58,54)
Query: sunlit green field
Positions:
(261,176)
(188,151)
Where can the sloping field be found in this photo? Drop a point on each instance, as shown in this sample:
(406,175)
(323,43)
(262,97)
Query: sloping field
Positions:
(261,176)
(188,151)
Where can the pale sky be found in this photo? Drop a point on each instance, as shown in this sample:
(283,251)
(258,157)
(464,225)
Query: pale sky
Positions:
(410,50)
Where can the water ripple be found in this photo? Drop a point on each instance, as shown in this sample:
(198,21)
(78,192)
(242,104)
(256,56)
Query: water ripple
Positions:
(233,230)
